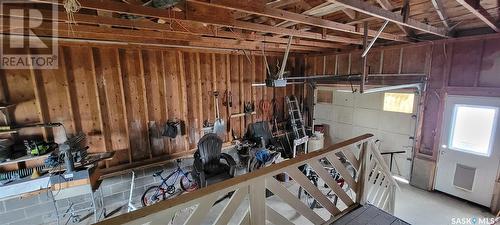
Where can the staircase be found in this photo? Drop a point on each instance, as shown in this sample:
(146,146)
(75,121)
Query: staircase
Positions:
(372,184)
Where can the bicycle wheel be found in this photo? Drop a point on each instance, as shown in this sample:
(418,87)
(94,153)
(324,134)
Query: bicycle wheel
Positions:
(188,184)
(309,200)
(251,164)
(153,195)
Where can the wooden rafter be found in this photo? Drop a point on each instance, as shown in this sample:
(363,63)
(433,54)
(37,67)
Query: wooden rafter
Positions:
(294,17)
(475,8)
(282,3)
(182,27)
(367,8)
(318,11)
(438,5)
(387,5)
(85,32)
(203,15)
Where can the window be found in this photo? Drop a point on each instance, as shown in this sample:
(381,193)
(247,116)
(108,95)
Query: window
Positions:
(473,129)
(399,102)
(325,96)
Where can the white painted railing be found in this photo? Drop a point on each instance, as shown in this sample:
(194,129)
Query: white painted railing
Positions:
(373,184)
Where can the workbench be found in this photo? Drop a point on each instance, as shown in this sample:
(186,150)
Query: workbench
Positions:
(61,187)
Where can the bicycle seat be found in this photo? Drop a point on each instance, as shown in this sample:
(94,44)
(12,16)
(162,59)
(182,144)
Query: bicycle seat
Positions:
(158,173)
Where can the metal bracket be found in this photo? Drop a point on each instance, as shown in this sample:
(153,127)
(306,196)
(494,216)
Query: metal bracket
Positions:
(365,52)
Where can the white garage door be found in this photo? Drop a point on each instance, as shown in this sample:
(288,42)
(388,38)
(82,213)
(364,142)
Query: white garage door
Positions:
(390,116)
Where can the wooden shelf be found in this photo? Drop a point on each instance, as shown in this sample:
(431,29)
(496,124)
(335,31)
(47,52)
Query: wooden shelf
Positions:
(25,158)
(8,131)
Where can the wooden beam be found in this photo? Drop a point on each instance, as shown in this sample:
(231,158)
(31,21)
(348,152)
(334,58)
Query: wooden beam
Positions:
(475,8)
(318,11)
(213,14)
(84,32)
(104,14)
(387,5)
(438,5)
(294,17)
(204,16)
(117,31)
(281,3)
(350,13)
(261,38)
(180,26)
(405,12)
(367,8)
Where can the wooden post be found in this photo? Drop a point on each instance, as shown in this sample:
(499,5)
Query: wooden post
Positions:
(363,173)
(364,58)
(257,193)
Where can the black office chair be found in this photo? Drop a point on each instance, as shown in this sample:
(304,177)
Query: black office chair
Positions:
(208,167)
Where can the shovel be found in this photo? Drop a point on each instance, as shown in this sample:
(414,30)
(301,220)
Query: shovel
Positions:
(219,126)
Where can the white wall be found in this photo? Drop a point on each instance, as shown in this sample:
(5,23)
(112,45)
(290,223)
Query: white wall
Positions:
(351,115)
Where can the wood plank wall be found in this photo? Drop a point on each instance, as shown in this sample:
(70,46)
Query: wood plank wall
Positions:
(112,93)
(465,66)
(405,60)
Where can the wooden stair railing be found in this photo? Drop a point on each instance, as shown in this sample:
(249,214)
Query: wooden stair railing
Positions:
(372,184)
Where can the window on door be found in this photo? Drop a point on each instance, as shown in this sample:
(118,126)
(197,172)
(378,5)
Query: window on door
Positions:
(399,102)
(473,129)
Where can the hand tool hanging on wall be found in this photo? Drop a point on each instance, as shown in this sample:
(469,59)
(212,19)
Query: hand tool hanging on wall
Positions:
(228,103)
(274,116)
(265,108)
(248,110)
(219,122)
(172,128)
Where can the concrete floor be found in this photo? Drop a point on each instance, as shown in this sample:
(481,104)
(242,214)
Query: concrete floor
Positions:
(420,207)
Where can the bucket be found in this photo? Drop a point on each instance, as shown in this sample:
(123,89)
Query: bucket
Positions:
(316,142)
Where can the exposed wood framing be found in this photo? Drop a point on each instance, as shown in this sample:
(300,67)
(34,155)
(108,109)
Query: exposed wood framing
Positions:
(438,5)
(294,17)
(322,10)
(111,93)
(282,3)
(475,8)
(208,14)
(367,8)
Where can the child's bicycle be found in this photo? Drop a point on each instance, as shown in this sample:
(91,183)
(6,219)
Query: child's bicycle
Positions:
(166,189)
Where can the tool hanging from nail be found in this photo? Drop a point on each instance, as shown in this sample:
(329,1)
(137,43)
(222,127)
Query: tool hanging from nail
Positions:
(227,99)
(228,103)
(219,122)
(265,108)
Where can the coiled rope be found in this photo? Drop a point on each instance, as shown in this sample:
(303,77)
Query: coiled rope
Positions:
(71,7)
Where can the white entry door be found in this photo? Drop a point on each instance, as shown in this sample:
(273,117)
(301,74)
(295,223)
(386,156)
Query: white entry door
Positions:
(469,155)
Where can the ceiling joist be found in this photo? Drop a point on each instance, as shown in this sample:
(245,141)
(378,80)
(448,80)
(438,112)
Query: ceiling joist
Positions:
(438,5)
(180,27)
(263,10)
(204,15)
(475,8)
(367,8)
